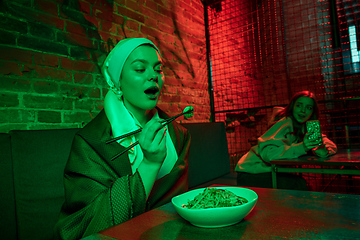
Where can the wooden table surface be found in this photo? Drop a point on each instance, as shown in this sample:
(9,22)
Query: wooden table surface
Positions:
(278,214)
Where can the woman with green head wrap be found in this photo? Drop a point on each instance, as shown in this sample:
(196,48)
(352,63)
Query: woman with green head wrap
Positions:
(102,190)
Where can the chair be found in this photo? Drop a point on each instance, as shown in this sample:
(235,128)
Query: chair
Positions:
(209,161)
(39,158)
(7,199)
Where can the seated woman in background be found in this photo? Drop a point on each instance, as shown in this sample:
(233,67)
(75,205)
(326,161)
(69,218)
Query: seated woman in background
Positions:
(102,191)
(285,139)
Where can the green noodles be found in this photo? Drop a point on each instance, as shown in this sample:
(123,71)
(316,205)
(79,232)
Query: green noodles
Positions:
(215,198)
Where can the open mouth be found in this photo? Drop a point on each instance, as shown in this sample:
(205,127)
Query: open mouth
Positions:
(152,91)
(301,116)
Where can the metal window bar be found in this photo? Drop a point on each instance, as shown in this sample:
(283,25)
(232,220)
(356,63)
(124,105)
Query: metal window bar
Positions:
(264,51)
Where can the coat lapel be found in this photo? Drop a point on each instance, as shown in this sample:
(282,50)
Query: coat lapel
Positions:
(97,137)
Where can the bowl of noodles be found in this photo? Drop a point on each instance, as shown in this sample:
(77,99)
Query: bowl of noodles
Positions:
(215,207)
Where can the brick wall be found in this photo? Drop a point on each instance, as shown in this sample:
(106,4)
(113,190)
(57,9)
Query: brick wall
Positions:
(248,69)
(51,50)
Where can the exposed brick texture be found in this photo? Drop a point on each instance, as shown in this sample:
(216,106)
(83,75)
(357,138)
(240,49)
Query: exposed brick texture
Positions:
(51,52)
(49,117)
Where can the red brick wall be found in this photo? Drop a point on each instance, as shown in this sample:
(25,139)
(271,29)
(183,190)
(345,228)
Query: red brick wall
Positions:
(51,50)
(248,67)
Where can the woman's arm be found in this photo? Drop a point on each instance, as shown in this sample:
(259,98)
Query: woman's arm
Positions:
(278,142)
(176,182)
(327,148)
(330,145)
(153,144)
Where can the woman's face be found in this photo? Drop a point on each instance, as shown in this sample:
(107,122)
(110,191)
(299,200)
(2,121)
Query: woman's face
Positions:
(142,79)
(303,109)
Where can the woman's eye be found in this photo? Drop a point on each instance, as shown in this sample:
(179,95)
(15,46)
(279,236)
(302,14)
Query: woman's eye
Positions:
(140,70)
(159,69)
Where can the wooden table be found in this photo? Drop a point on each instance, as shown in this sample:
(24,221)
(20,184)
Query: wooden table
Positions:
(278,214)
(346,161)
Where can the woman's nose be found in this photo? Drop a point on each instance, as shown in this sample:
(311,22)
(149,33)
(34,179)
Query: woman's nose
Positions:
(153,76)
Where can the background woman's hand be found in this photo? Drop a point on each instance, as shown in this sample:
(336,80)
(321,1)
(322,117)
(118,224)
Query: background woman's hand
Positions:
(152,141)
(310,144)
(322,151)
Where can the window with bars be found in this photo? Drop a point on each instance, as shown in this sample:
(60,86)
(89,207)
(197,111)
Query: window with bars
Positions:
(264,51)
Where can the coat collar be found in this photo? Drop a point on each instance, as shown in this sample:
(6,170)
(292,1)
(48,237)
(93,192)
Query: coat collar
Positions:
(96,133)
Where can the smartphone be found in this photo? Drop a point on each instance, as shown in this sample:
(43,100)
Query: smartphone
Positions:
(314,130)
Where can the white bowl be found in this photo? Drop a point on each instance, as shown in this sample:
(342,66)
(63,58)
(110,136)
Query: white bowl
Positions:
(215,217)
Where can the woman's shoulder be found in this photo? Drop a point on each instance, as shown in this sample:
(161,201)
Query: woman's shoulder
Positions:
(282,126)
(280,129)
(95,126)
(285,121)
(275,115)
(277,110)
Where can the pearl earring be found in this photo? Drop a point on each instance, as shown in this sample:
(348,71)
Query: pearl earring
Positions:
(117,92)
